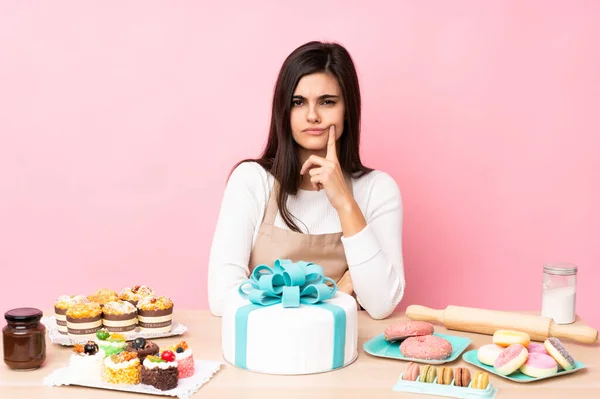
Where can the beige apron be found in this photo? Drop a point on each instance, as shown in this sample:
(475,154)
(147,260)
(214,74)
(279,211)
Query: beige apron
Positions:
(274,243)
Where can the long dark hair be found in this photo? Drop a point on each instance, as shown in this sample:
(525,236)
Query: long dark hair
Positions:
(280,156)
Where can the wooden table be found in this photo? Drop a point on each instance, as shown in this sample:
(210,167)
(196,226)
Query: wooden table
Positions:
(367,377)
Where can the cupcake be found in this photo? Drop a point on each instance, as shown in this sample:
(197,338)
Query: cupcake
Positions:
(119,316)
(160,372)
(155,314)
(84,320)
(142,347)
(103,295)
(123,368)
(61,305)
(135,293)
(185,359)
(110,343)
(86,362)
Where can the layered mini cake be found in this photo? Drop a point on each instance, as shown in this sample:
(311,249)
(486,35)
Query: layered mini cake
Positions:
(103,296)
(155,314)
(185,359)
(160,372)
(84,320)
(110,343)
(142,347)
(61,305)
(135,293)
(86,363)
(123,368)
(119,316)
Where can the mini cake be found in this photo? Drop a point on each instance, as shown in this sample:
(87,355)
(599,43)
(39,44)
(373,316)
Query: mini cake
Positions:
(119,316)
(103,295)
(155,314)
(61,305)
(135,293)
(111,343)
(185,359)
(123,368)
(142,347)
(86,362)
(84,320)
(160,372)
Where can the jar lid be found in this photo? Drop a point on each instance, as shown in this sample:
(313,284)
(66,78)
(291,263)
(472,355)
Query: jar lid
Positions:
(23,315)
(561,268)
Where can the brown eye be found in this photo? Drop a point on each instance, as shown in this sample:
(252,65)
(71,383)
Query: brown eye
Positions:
(296,103)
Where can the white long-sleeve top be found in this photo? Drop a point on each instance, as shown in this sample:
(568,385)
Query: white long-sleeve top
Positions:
(374,254)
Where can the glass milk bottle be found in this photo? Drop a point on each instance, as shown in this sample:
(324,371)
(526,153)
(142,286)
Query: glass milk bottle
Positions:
(558,292)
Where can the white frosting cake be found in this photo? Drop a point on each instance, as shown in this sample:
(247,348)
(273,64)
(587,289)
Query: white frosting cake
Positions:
(296,340)
(85,368)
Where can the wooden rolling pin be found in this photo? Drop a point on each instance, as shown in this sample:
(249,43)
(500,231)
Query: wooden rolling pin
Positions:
(486,321)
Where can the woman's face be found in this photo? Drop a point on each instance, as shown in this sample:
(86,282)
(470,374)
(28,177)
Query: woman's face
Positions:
(317,104)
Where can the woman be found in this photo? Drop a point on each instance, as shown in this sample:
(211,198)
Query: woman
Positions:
(309,197)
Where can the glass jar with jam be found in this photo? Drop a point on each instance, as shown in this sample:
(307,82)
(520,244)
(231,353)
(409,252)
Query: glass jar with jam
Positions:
(24,339)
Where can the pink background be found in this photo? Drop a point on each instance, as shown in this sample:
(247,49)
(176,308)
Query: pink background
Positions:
(119,124)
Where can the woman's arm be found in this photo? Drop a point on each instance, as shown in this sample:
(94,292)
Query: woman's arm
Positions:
(242,209)
(374,254)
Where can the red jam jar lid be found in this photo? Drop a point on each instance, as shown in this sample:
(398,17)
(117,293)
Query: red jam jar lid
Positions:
(23,315)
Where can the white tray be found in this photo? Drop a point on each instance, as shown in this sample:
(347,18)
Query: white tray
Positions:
(204,370)
(62,339)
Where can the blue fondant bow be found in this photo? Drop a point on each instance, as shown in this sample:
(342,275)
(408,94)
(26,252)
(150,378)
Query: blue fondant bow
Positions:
(288,283)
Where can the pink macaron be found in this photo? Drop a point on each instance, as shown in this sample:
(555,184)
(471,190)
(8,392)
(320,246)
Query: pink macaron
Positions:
(429,347)
(411,373)
(539,365)
(511,359)
(536,348)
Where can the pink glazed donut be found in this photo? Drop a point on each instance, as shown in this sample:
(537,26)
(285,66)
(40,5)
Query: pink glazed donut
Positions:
(539,365)
(536,348)
(429,347)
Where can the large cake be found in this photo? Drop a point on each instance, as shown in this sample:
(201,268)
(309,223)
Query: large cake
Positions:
(289,319)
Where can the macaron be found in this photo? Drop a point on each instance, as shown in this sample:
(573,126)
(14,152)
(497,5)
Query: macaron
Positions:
(511,359)
(462,377)
(445,375)
(539,365)
(557,350)
(411,372)
(480,380)
(488,354)
(428,374)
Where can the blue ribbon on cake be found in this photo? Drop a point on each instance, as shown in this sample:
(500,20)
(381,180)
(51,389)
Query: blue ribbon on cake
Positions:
(289,284)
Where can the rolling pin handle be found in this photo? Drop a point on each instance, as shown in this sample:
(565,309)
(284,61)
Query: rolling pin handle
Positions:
(577,332)
(423,313)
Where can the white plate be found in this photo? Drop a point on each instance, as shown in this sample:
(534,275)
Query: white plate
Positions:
(186,387)
(62,339)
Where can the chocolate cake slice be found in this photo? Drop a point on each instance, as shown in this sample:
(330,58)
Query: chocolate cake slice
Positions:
(160,374)
(142,347)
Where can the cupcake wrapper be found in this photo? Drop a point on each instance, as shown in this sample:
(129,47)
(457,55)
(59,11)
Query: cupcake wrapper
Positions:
(61,320)
(120,322)
(84,325)
(156,320)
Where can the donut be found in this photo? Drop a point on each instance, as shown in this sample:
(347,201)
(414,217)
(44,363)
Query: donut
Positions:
(408,328)
(537,348)
(428,347)
(539,365)
(511,359)
(488,354)
(506,338)
(411,372)
(557,350)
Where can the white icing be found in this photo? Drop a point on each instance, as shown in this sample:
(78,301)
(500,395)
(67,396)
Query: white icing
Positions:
(183,355)
(72,299)
(83,367)
(120,307)
(290,340)
(161,365)
(109,363)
